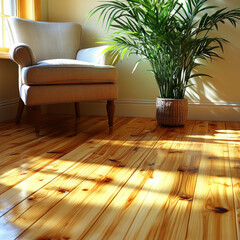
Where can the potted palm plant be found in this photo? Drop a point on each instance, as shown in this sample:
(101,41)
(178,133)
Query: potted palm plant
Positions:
(175,37)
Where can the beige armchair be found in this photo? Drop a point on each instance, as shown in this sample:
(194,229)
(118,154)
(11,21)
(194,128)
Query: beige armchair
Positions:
(53,70)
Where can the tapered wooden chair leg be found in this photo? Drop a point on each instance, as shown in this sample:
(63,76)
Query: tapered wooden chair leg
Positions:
(19,111)
(36,114)
(29,116)
(77,109)
(110,112)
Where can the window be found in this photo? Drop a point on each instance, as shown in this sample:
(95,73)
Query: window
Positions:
(28,9)
(7,8)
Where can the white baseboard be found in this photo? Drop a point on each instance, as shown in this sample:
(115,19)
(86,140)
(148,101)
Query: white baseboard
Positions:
(8,109)
(216,111)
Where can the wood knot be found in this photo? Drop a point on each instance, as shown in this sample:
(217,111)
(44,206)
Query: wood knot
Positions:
(14,154)
(121,166)
(85,190)
(55,152)
(62,190)
(181,169)
(106,180)
(136,149)
(190,170)
(220,210)
(112,160)
(72,135)
(185,197)
(175,151)
(31,198)
(54,238)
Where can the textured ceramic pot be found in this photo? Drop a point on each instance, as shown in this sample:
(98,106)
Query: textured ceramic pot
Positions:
(171,112)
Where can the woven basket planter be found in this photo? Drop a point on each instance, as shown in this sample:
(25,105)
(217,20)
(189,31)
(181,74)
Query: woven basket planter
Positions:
(171,112)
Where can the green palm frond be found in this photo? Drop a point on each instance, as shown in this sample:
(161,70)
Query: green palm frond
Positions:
(172,36)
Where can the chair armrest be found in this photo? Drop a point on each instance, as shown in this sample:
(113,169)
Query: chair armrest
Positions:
(95,55)
(22,54)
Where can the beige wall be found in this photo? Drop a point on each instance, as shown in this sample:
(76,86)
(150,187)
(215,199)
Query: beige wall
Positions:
(8,80)
(216,99)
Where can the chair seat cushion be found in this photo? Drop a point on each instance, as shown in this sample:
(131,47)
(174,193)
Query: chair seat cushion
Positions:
(67,71)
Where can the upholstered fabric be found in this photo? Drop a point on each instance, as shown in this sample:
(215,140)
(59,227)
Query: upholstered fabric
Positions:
(97,55)
(23,55)
(66,71)
(51,94)
(47,40)
(48,70)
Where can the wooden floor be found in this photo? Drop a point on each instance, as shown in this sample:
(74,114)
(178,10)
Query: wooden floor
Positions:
(79,180)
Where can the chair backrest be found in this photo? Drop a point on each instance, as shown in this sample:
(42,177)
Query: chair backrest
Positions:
(47,40)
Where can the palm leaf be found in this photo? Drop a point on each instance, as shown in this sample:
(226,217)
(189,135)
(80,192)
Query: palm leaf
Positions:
(172,36)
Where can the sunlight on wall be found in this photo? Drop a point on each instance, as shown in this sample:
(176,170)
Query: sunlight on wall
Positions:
(141,85)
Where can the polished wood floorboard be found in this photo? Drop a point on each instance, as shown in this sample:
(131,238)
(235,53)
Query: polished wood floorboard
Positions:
(81,180)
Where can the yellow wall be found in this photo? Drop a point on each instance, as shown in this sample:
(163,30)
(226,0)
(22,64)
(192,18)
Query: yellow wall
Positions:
(223,89)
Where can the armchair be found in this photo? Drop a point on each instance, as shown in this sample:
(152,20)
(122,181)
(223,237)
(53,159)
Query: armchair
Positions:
(53,70)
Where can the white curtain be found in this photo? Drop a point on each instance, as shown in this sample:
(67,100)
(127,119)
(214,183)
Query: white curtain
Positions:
(7,8)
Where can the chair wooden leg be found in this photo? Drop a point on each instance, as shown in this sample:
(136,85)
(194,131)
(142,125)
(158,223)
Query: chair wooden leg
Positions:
(110,112)
(29,114)
(19,111)
(77,109)
(36,114)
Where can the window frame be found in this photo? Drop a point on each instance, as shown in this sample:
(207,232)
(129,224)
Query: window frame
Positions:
(27,9)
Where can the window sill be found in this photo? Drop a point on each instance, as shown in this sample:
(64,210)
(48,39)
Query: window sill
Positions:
(4,55)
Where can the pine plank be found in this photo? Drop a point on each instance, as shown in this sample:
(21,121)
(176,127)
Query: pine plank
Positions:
(232,135)
(38,178)
(139,181)
(168,219)
(49,145)
(92,196)
(18,133)
(32,141)
(146,217)
(47,152)
(212,214)
(17,147)
(116,219)
(75,175)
